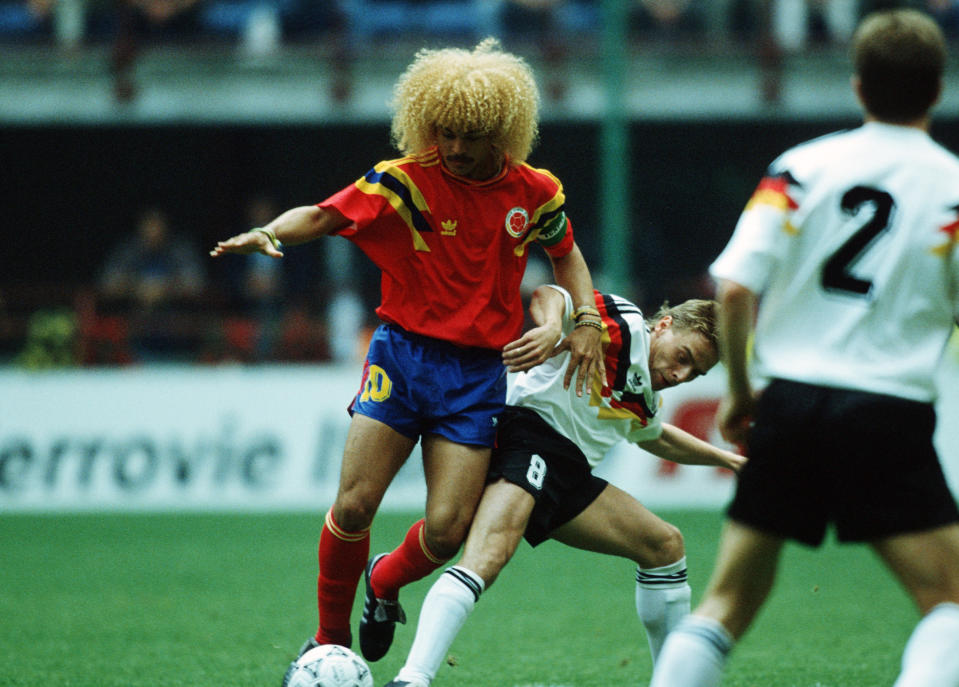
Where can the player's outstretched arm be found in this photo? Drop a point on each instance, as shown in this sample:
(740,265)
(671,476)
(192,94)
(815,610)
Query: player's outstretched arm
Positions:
(298,225)
(679,446)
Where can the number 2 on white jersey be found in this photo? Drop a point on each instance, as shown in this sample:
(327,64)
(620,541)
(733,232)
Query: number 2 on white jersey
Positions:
(836,275)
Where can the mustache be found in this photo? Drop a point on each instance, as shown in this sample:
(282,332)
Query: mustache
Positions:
(459,158)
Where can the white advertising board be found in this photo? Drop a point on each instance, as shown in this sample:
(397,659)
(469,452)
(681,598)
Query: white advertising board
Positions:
(270,438)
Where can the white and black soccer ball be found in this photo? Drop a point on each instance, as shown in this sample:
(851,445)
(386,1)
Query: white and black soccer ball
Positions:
(330,665)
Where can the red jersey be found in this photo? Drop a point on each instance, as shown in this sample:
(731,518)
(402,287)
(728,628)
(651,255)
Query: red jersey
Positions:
(452,251)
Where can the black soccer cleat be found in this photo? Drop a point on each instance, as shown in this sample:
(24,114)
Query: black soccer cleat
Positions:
(404,683)
(379,619)
(310,643)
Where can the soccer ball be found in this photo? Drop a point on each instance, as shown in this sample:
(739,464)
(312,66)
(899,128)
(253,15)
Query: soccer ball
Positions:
(330,665)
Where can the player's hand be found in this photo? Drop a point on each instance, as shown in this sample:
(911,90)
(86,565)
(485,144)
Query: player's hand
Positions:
(586,358)
(734,418)
(734,461)
(246,243)
(534,347)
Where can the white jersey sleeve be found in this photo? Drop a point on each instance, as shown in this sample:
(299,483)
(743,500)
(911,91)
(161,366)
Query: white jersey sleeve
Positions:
(850,241)
(627,409)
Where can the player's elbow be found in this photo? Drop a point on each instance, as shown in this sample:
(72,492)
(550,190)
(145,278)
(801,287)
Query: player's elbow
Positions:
(732,293)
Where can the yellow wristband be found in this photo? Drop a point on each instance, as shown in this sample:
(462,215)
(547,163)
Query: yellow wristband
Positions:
(270,235)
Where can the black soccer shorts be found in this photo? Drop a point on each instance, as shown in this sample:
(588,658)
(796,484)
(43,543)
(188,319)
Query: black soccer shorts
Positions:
(532,455)
(863,462)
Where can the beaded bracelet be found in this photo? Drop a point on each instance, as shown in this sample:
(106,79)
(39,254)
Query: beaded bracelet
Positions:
(585,310)
(590,323)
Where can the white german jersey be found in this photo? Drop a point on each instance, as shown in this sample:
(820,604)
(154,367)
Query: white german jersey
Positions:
(626,409)
(851,241)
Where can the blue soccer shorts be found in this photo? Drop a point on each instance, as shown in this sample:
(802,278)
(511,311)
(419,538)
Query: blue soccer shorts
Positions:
(419,385)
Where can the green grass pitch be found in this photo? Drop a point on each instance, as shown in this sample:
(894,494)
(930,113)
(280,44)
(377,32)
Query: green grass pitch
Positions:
(206,600)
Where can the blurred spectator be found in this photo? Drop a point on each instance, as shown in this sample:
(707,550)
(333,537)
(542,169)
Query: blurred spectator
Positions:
(470,19)
(797,23)
(67,18)
(530,17)
(161,14)
(50,340)
(325,23)
(283,310)
(541,22)
(137,20)
(668,19)
(347,316)
(153,266)
(257,285)
(263,29)
(154,277)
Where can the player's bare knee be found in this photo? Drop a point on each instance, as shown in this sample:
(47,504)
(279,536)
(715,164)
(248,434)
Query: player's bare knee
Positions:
(445,546)
(668,547)
(445,531)
(353,514)
(443,542)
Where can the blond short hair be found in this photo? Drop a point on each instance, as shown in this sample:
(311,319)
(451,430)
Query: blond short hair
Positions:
(482,90)
(696,314)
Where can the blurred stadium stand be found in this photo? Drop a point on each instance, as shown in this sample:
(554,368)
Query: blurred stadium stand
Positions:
(334,60)
(220,96)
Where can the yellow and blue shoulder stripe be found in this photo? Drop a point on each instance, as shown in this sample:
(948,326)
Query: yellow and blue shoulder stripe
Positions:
(387,179)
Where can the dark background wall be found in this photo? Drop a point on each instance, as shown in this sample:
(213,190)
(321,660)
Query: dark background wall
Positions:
(70,193)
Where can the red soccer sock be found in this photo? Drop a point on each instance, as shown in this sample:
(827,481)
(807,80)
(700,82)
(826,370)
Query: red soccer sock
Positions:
(410,561)
(343,557)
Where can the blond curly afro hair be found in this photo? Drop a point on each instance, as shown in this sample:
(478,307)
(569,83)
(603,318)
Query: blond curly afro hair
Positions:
(480,90)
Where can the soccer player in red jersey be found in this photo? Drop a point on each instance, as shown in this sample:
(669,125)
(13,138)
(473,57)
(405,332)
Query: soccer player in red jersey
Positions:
(450,225)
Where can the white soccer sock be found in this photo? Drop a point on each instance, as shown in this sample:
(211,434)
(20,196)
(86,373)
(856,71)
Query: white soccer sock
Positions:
(662,601)
(445,608)
(931,658)
(693,654)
